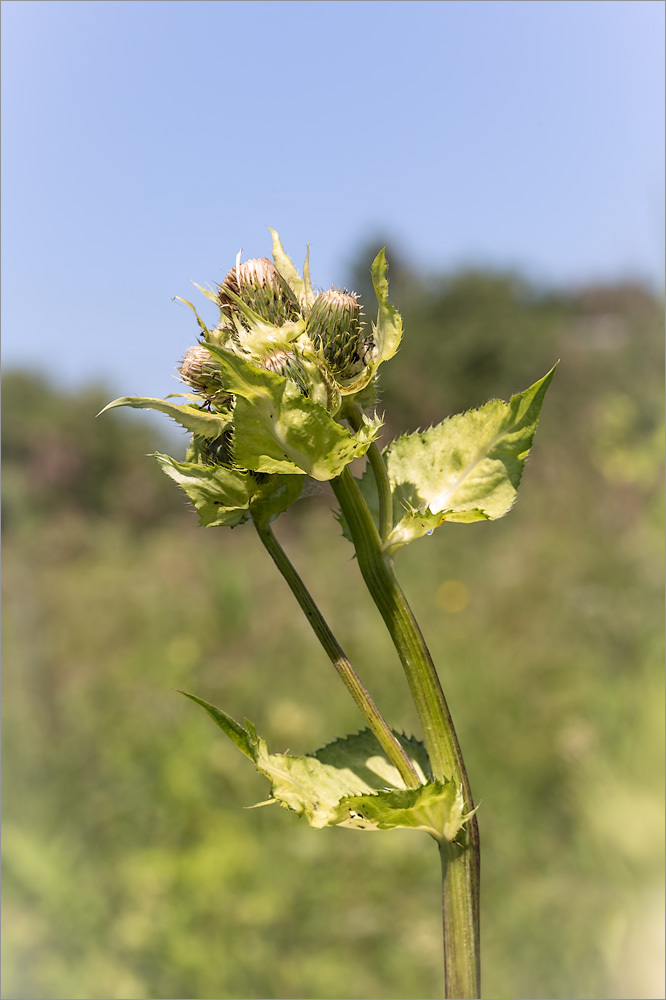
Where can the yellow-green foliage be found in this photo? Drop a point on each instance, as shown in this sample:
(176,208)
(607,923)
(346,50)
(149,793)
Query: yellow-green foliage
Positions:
(131,869)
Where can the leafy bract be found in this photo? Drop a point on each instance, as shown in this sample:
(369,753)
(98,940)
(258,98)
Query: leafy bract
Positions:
(202,326)
(227,497)
(278,429)
(301,287)
(351,783)
(388,329)
(220,495)
(245,739)
(273,495)
(468,468)
(192,418)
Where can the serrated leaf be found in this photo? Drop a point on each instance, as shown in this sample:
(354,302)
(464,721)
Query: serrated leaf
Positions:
(466,469)
(361,755)
(437,808)
(388,330)
(280,430)
(192,418)
(351,783)
(221,496)
(228,497)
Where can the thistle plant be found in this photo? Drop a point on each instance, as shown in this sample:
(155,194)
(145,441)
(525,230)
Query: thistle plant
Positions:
(284,388)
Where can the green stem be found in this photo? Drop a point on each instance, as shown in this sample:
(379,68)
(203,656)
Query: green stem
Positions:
(462,966)
(352,413)
(378,725)
(461,882)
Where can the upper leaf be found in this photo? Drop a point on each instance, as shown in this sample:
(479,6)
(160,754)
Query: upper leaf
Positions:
(468,468)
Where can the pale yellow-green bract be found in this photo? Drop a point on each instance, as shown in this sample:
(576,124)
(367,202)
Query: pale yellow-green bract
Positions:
(277,429)
(227,497)
(192,418)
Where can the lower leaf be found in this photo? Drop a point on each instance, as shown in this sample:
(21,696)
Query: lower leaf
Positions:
(351,783)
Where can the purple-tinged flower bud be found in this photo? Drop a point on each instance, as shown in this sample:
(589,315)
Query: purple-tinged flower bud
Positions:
(200,371)
(289,365)
(307,372)
(261,286)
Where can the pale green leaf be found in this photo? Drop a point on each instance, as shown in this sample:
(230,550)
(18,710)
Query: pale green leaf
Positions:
(227,497)
(280,430)
(361,757)
(192,418)
(468,468)
(437,808)
(273,495)
(244,739)
(194,397)
(388,330)
(221,496)
(351,783)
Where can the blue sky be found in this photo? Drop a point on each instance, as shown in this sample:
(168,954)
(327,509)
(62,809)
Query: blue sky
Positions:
(145,143)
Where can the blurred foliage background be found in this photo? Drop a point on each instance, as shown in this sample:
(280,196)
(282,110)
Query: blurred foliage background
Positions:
(131,869)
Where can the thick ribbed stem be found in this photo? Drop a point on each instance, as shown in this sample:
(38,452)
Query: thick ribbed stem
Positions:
(461,872)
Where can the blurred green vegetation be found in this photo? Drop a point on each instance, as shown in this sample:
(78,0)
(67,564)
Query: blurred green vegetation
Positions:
(131,869)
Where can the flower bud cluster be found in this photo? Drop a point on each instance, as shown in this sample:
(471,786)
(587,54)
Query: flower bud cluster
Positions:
(266,388)
(318,342)
(272,319)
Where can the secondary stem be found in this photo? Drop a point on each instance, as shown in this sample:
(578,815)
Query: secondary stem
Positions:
(378,725)
(461,872)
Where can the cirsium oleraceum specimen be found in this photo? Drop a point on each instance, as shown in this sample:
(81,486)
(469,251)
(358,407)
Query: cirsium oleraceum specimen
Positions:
(282,387)
(269,385)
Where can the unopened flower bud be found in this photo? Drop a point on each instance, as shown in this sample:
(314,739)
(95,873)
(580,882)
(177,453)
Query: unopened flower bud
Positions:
(307,373)
(289,365)
(261,286)
(336,330)
(200,371)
